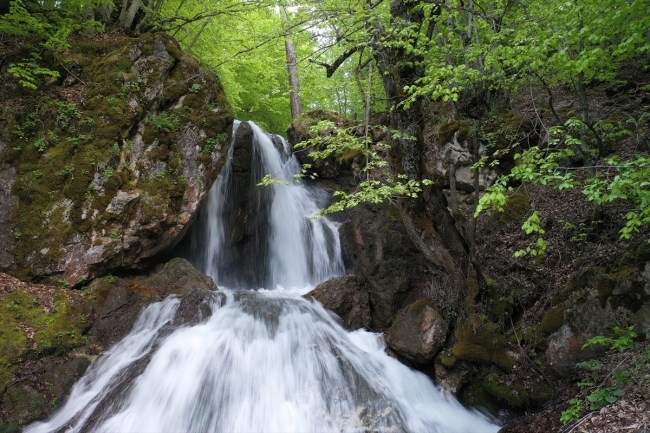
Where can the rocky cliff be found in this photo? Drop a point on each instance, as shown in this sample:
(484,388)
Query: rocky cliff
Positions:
(105,168)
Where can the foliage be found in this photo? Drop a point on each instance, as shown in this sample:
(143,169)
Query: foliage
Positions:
(596,397)
(378,184)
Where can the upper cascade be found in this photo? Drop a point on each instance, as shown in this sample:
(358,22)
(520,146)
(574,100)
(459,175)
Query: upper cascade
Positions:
(249,236)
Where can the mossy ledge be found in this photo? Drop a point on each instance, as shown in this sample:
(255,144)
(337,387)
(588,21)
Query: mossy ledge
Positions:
(110,164)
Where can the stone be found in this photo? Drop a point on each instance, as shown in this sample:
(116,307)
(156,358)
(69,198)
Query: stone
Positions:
(126,197)
(593,304)
(418,332)
(24,403)
(119,301)
(346,297)
(378,248)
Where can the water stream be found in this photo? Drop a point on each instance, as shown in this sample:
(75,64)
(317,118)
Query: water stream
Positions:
(265,360)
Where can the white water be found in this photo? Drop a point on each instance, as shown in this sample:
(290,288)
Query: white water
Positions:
(266,361)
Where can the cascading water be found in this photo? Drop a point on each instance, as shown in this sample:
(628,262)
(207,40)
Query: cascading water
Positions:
(265,360)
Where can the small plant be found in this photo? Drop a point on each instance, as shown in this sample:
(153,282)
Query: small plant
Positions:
(66,170)
(209,145)
(112,102)
(108,173)
(531,226)
(63,284)
(160,175)
(37,173)
(67,112)
(40,144)
(114,234)
(196,88)
(600,396)
(163,122)
(110,279)
(89,196)
(115,149)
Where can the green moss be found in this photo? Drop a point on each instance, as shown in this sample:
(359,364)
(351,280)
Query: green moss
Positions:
(447,358)
(553,320)
(482,342)
(54,332)
(515,395)
(517,207)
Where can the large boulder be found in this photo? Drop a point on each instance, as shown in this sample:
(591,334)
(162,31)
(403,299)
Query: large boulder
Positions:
(119,301)
(418,332)
(107,167)
(347,297)
(593,304)
(384,258)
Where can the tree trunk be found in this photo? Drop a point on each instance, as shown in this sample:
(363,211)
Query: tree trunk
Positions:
(292,69)
(427,219)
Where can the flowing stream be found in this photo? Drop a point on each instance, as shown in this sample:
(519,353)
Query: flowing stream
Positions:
(265,360)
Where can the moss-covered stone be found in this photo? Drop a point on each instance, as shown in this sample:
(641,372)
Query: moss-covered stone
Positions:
(482,342)
(136,131)
(553,320)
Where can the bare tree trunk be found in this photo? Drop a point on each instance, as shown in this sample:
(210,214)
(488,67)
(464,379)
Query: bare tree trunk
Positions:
(129,15)
(89,15)
(198,34)
(292,68)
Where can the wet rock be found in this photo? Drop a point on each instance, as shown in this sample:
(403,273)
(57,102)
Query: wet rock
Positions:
(60,378)
(119,301)
(116,180)
(197,305)
(418,332)
(347,297)
(384,258)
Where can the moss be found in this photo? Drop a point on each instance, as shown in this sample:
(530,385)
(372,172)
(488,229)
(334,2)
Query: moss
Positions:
(446,132)
(516,208)
(515,395)
(553,320)
(145,293)
(447,358)
(482,342)
(54,332)
(585,279)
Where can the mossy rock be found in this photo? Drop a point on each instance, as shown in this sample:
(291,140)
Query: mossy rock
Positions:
(516,208)
(515,394)
(481,341)
(137,132)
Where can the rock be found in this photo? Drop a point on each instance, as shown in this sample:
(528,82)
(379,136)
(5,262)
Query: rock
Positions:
(452,378)
(384,258)
(593,304)
(119,301)
(343,169)
(62,377)
(7,203)
(347,297)
(25,404)
(116,180)
(418,332)
(481,341)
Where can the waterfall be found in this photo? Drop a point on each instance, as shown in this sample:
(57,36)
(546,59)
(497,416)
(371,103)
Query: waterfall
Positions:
(266,360)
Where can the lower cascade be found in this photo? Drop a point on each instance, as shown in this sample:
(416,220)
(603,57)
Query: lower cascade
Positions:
(266,359)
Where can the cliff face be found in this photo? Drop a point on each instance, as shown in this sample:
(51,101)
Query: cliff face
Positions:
(104,168)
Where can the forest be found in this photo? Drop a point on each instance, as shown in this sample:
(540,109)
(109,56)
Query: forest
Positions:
(490,158)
